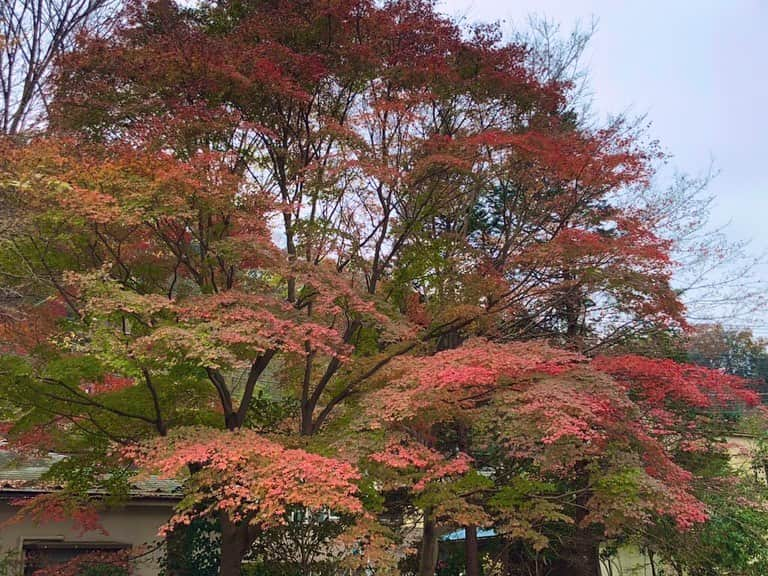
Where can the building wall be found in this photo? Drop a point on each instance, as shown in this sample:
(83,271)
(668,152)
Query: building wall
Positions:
(629,561)
(136,525)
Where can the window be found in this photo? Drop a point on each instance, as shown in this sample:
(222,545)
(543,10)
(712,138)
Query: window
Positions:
(45,553)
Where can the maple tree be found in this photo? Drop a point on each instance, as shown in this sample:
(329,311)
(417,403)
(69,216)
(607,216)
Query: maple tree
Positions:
(252,225)
(547,426)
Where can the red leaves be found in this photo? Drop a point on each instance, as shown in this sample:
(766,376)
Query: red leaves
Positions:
(259,323)
(372,131)
(658,381)
(91,562)
(58,507)
(563,415)
(27,329)
(39,439)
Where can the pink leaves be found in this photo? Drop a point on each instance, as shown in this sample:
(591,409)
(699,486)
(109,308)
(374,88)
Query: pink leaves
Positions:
(685,509)
(255,323)
(454,381)
(430,465)
(561,414)
(399,455)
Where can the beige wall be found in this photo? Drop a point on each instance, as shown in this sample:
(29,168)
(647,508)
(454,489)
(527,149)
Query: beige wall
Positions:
(629,561)
(136,525)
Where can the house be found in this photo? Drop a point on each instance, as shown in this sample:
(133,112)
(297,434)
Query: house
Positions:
(134,526)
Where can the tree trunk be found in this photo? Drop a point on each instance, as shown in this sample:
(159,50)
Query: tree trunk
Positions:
(579,557)
(506,560)
(234,545)
(471,552)
(653,563)
(580,551)
(307,424)
(428,556)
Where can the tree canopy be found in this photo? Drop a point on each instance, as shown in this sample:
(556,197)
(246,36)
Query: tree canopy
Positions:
(308,257)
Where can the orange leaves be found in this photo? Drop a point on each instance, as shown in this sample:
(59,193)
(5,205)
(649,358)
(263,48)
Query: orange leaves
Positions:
(251,478)
(48,176)
(131,177)
(28,328)
(94,206)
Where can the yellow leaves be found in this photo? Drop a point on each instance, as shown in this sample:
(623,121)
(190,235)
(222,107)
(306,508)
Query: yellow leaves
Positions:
(104,296)
(178,346)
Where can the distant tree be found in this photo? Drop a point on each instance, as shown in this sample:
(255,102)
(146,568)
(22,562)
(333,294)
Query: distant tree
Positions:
(736,351)
(33,34)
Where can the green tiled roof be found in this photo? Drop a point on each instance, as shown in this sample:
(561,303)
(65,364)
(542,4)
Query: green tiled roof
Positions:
(17,475)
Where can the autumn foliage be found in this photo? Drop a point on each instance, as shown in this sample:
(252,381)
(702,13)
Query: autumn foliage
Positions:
(119,563)
(305,256)
(562,414)
(248,476)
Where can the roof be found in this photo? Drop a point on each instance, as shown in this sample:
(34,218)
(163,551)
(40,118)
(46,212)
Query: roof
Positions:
(24,475)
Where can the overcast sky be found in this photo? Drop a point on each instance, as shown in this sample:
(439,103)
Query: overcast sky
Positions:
(697,68)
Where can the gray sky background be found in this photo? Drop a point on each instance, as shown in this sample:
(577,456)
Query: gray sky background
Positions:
(697,68)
